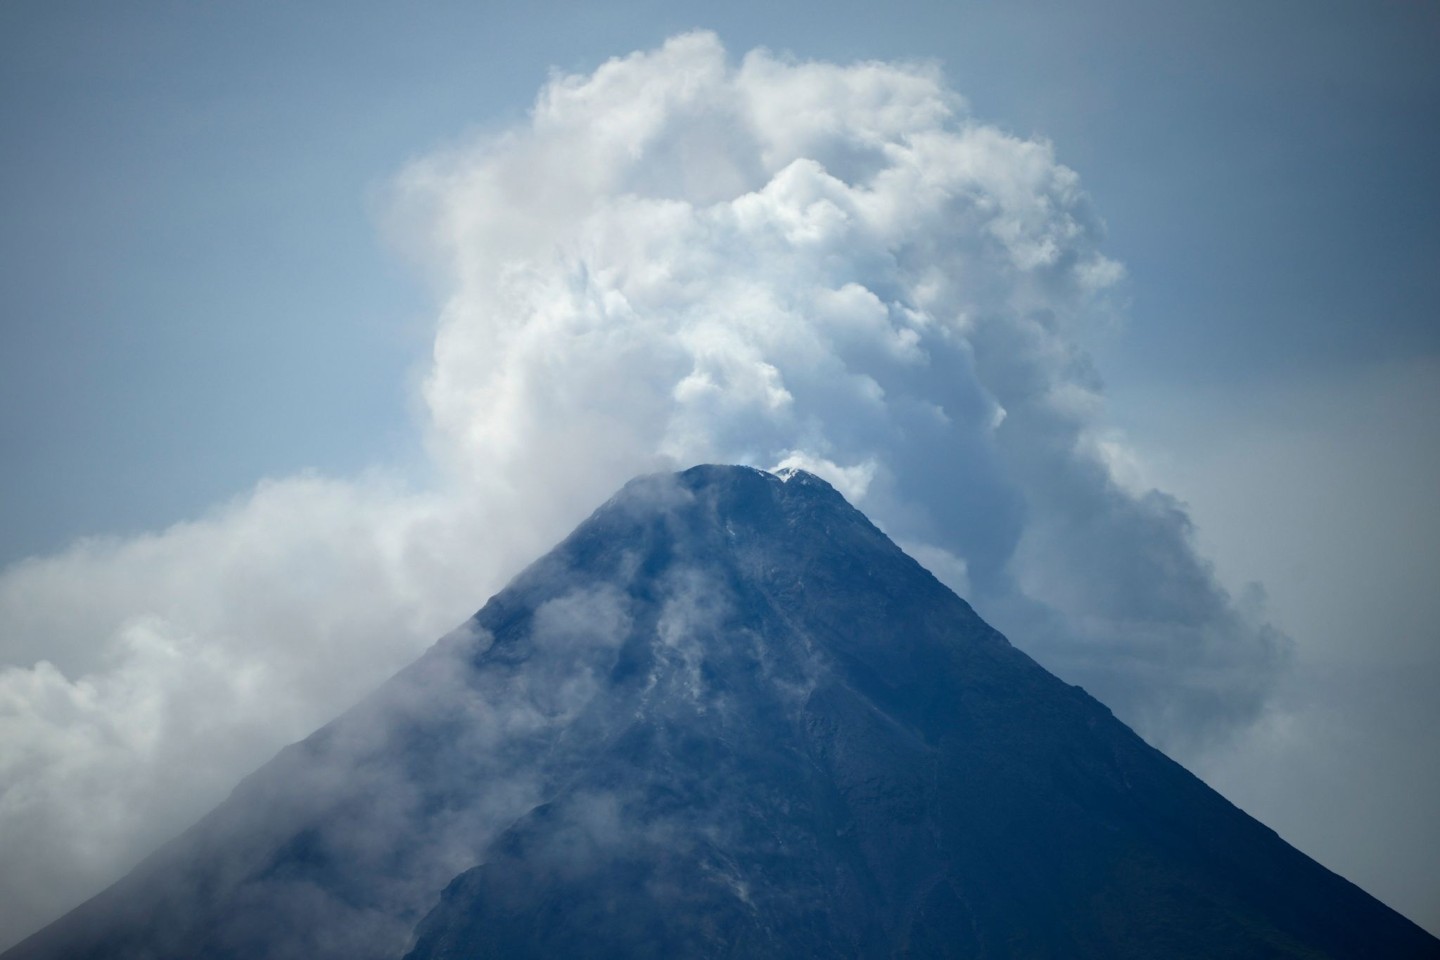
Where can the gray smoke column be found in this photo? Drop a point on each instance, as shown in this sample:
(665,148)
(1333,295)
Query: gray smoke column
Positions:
(677,259)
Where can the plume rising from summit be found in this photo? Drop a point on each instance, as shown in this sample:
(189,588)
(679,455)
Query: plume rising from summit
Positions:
(789,263)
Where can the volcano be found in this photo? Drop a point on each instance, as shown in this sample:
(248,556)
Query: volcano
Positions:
(727,717)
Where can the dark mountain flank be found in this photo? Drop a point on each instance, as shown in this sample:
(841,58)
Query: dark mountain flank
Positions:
(727,717)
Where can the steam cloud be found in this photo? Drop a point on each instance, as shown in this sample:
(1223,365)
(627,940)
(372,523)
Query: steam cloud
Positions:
(678,259)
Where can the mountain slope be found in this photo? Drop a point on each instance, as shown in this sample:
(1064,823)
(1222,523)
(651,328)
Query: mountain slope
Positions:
(728,718)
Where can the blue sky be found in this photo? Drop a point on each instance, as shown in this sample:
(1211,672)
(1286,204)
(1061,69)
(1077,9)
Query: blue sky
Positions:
(209,286)
(188,188)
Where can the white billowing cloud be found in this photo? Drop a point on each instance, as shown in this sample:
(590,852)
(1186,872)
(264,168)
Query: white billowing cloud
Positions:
(801,264)
(678,259)
(142,678)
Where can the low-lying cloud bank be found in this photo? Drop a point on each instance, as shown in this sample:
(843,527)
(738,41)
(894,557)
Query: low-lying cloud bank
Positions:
(678,259)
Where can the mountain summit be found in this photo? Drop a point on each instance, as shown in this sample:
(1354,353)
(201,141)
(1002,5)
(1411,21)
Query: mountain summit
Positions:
(727,717)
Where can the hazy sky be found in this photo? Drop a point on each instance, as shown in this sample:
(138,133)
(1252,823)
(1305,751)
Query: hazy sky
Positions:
(211,282)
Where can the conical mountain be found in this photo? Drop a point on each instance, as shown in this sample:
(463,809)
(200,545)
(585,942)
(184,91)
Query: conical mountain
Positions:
(727,717)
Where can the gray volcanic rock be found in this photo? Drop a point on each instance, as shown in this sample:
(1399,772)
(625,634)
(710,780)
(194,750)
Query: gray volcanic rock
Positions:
(727,717)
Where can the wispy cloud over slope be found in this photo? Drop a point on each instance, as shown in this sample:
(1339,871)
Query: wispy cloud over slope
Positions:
(678,258)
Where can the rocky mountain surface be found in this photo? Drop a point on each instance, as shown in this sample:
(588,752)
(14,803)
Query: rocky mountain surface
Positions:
(727,717)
